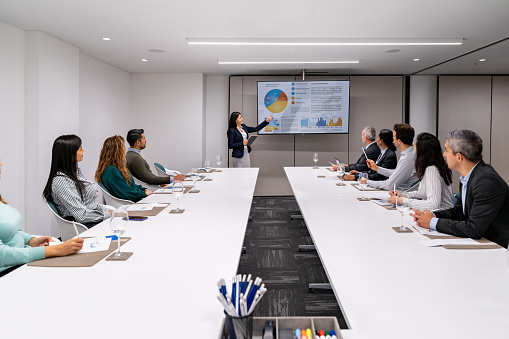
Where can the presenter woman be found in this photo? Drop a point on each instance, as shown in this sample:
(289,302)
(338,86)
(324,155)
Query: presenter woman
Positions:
(237,139)
(18,247)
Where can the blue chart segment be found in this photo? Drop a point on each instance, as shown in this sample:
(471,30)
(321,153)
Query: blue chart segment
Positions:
(313,122)
(276,101)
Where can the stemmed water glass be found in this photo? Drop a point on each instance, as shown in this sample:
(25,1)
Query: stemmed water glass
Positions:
(219,160)
(341,173)
(315,159)
(403,208)
(194,175)
(118,224)
(208,168)
(363,184)
(177,191)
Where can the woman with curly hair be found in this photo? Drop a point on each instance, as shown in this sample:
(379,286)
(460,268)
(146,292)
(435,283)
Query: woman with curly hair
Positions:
(112,171)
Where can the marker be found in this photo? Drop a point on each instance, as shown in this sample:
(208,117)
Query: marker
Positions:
(75,229)
(333,335)
(321,334)
(303,334)
(309,333)
(297,333)
(327,335)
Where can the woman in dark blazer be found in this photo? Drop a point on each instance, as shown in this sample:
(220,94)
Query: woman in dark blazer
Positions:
(387,158)
(238,136)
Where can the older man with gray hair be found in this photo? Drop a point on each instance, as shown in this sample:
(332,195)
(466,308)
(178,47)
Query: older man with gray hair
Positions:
(482,209)
(372,150)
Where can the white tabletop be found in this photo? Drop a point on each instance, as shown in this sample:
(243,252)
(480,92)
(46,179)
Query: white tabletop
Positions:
(168,286)
(389,285)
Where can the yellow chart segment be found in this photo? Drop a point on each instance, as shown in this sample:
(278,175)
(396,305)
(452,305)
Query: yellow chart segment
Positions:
(277,106)
(337,123)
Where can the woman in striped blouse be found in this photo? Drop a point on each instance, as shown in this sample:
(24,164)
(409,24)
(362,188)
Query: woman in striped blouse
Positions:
(74,196)
(435,187)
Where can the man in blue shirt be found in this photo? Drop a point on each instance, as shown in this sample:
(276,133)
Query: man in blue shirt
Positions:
(482,209)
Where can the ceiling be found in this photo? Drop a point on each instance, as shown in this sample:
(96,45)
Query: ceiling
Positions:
(136,26)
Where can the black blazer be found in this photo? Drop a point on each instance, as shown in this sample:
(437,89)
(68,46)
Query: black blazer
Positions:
(486,208)
(373,151)
(389,160)
(235,138)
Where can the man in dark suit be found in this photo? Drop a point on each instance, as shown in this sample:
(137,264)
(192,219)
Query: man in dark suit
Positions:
(482,209)
(372,150)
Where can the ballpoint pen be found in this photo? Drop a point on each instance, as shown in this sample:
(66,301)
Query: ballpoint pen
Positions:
(75,229)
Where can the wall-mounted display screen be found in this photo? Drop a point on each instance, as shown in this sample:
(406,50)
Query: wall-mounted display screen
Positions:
(300,107)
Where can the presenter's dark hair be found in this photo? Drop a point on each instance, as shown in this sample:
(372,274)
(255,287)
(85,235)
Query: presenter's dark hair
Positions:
(386,136)
(405,133)
(429,153)
(233,120)
(63,160)
(134,135)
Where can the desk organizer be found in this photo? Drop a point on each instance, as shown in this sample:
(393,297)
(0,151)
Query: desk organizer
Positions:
(314,323)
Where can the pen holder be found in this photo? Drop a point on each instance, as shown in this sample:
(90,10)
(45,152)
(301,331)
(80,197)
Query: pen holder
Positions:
(238,328)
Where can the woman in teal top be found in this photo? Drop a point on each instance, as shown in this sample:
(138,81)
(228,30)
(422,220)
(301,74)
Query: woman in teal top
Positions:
(112,171)
(18,247)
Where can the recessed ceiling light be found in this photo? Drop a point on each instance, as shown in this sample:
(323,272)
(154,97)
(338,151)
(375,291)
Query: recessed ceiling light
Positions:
(144,60)
(325,42)
(393,50)
(251,62)
(156,51)
(482,59)
(417,59)
(106,39)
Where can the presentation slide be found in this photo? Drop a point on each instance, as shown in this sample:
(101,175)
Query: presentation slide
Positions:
(301,107)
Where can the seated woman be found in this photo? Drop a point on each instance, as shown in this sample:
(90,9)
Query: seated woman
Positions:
(435,188)
(387,158)
(74,196)
(18,247)
(112,171)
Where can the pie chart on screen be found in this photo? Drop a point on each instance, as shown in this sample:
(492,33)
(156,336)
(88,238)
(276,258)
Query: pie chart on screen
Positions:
(276,101)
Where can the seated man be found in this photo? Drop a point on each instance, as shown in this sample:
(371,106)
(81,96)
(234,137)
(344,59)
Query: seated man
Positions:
(138,167)
(482,209)
(368,136)
(402,177)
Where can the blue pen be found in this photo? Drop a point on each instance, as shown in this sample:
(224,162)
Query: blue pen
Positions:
(252,293)
(233,291)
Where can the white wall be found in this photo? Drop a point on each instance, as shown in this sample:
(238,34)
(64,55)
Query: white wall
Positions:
(423,103)
(170,108)
(216,118)
(12,114)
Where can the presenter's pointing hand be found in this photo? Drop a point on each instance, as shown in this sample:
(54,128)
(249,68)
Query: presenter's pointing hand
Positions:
(269,118)
(245,142)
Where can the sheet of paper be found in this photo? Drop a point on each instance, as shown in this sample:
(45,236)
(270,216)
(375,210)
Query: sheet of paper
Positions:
(425,231)
(163,190)
(381,202)
(95,244)
(141,207)
(440,242)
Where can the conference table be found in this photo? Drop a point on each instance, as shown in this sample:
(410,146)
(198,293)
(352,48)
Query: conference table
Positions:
(166,289)
(390,285)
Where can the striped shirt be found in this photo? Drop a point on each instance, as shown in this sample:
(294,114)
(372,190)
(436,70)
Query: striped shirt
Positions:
(402,176)
(433,193)
(69,203)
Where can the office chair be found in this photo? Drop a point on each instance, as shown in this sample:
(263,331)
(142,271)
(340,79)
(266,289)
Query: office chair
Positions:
(144,184)
(111,200)
(164,172)
(66,228)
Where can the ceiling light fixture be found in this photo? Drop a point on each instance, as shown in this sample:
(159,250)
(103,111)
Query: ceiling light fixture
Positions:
(253,62)
(325,42)
(393,50)
(106,39)
(156,51)
(417,59)
(144,60)
(482,60)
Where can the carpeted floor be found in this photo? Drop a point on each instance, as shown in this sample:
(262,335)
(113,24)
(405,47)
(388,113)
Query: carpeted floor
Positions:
(272,241)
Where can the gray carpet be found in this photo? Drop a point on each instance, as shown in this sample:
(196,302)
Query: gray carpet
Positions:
(272,241)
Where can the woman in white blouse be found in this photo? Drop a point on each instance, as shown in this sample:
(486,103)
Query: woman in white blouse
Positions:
(435,187)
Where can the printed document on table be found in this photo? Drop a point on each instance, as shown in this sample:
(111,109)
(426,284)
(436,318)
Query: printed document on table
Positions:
(163,190)
(440,242)
(141,207)
(426,231)
(95,244)
(382,202)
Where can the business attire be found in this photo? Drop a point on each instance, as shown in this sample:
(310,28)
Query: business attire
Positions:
(140,169)
(433,194)
(14,249)
(386,159)
(482,209)
(115,183)
(72,206)
(372,151)
(402,176)
(236,136)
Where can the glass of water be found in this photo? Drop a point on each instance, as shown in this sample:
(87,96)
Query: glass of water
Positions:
(363,184)
(403,208)
(341,173)
(208,168)
(195,172)
(118,224)
(219,160)
(315,159)
(177,191)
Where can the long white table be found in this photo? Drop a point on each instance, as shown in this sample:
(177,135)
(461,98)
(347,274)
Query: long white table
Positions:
(389,285)
(167,288)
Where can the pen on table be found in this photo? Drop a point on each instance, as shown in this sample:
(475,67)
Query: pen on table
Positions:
(75,229)
(331,163)
(363,151)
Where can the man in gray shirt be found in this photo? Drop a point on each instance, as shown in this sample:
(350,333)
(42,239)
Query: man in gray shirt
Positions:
(138,167)
(403,176)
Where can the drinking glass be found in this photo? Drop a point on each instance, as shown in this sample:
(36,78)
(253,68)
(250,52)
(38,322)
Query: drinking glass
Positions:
(118,224)
(208,167)
(402,208)
(195,172)
(177,191)
(219,160)
(363,184)
(341,172)
(315,159)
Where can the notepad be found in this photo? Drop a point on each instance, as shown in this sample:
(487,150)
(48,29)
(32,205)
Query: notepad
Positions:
(141,207)
(440,242)
(95,244)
